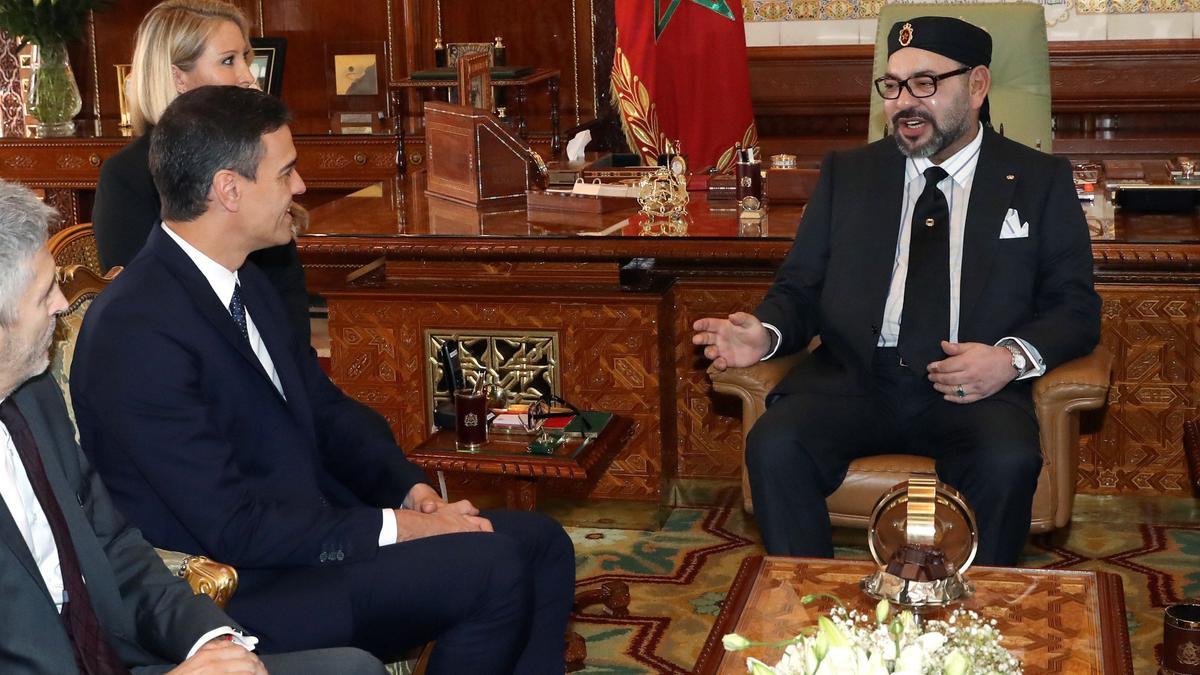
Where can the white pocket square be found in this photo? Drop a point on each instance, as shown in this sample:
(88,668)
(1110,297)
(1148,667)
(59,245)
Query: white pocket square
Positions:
(1013,227)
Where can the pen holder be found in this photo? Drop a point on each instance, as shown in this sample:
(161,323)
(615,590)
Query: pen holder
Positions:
(749,180)
(470,418)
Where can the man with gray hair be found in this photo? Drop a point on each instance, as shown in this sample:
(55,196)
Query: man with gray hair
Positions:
(59,527)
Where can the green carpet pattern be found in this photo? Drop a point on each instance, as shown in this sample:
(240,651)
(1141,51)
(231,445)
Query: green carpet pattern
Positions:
(678,575)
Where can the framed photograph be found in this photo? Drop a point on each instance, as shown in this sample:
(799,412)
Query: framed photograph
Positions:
(475,81)
(355,75)
(267,64)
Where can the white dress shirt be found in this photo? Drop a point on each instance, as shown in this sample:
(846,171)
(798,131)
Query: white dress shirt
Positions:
(223,281)
(956,186)
(30,518)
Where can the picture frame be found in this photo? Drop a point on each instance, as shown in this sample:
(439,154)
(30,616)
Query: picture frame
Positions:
(455,51)
(347,93)
(267,64)
(475,81)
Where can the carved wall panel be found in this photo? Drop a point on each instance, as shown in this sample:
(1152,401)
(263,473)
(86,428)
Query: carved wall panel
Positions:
(1155,340)
(709,425)
(610,352)
(524,364)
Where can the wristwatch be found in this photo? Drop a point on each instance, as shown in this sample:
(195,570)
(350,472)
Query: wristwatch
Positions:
(1019,362)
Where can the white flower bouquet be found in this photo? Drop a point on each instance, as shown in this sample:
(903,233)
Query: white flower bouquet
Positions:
(848,642)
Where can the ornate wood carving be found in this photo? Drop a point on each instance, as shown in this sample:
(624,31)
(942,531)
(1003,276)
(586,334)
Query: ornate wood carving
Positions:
(609,346)
(67,204)
(709,426)
(1137,446)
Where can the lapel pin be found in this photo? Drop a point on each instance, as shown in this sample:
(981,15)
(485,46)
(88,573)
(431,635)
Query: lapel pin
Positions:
(1010,177)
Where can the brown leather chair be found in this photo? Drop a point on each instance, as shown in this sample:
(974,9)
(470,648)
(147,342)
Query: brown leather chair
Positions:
(1058,396)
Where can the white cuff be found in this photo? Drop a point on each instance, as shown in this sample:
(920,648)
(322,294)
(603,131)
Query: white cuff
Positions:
(247,642)
(1032,357)
(778,340)
(387,531)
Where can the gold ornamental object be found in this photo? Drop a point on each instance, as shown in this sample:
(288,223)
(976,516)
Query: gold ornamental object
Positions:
(923,536)
(663,196)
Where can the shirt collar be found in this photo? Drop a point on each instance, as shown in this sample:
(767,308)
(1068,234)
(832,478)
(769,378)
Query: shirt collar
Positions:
(221,279)
(960,165)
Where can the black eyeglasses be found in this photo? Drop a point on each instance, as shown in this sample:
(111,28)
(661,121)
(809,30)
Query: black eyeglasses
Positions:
(546,407)
(920,86)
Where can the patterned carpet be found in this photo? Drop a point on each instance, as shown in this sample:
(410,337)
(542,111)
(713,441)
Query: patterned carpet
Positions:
(678,575)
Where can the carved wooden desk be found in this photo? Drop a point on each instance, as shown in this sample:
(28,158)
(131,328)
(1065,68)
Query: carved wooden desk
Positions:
(626,293)
(505,455)
(1053,621)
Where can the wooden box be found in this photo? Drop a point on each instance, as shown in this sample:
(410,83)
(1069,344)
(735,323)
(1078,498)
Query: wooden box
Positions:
(473,158)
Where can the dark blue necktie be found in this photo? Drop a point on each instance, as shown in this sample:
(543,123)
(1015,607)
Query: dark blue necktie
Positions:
(238,311)
(925,317)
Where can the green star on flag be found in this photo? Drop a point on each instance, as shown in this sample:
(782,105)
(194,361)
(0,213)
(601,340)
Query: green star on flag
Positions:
(662,16)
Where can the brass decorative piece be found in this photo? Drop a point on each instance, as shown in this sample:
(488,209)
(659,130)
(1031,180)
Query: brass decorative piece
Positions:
(663,196)
(520,367)
(123,93)
(783,161)
(923,537)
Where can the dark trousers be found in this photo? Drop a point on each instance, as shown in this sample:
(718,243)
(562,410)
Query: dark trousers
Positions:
(495,603)
(798,452)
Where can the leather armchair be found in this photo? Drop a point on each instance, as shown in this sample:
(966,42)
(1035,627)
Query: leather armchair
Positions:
(1058,396)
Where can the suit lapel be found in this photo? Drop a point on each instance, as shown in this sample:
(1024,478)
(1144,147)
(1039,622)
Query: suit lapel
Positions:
(272,328)
(991,194)
(886,180)
(91,559)
(201,292)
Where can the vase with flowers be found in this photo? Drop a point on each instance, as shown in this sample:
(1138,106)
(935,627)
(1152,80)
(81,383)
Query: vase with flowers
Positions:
(848,642)
(50,25)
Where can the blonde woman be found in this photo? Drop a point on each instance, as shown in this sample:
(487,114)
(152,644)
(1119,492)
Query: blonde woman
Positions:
(181,45)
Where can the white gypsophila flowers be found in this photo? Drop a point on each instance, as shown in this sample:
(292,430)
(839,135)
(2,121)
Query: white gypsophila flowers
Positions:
(848,642)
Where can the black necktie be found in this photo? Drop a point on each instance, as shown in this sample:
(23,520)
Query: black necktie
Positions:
(925,317)
(238,311)
(94,654)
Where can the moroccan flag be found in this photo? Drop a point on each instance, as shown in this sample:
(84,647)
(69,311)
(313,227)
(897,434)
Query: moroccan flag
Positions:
(680,74)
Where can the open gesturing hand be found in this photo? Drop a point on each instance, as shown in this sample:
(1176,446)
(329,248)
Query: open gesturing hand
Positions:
(736,342)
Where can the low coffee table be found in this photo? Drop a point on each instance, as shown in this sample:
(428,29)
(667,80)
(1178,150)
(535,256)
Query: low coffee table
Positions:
(1053,621)
(507,456)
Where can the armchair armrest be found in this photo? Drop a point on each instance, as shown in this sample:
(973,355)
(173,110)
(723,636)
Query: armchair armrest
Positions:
(1077,385)
(752,384)
(1081,384)
(216,580)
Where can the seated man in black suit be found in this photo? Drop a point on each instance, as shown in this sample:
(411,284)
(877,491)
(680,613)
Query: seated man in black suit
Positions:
(217,432)
(943,269)
(58,526)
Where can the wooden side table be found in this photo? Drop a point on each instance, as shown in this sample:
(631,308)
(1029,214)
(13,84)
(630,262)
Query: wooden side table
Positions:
(542,76)
(1053,621)
(506,455)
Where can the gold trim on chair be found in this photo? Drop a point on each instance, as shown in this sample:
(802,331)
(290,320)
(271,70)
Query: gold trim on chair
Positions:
(76,245)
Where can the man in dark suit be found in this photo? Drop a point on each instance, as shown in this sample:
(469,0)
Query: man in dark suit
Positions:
(58,527)
(942,268)
(217,432)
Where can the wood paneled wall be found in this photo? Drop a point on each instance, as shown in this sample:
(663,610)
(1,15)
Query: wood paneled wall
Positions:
(537,33)
(1108,97)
